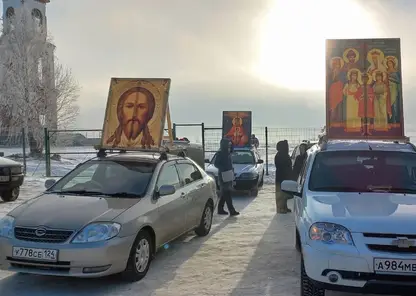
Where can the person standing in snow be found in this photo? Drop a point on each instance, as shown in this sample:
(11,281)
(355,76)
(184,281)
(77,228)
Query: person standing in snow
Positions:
(299,161)
(255,141)
(283,172)
(225,177)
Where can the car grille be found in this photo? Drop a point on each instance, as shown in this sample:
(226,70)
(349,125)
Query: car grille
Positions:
(51,235)
(392,249)
(4,171)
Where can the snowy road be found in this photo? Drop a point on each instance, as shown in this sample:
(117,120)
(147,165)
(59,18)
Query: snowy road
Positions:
(252,255)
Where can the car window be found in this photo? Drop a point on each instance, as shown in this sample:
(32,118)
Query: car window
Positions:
(107,177)
(169,176)
(304,170)
(242,157)
(363,171)
(189,173)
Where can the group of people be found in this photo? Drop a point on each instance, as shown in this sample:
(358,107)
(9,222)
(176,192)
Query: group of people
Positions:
(284,171)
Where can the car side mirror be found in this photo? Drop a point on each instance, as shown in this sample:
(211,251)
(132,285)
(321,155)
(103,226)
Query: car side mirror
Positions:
(196,175)
(166,190)
(290,187)
(206,160)
(260,161)
(49,183)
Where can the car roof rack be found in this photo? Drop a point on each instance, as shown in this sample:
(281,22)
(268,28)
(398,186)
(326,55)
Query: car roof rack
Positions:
(163,152)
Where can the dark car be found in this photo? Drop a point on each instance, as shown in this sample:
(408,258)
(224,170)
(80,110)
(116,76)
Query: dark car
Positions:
(11,178)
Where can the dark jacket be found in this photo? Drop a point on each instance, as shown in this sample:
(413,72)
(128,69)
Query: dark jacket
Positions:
(297,166)
(223,161)
(282,162)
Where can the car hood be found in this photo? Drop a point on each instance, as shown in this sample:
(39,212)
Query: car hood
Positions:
(68,211)
(238,169)
(365,212)
(5,162)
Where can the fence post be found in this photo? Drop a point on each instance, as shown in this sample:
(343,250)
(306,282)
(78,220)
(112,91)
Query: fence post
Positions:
(174,130)
(24,149)
(203,137)
(47,153)
(266,134)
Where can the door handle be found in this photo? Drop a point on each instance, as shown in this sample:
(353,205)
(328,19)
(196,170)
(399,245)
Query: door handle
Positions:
(201,185)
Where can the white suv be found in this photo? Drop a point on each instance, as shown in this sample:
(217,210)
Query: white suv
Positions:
(355,212)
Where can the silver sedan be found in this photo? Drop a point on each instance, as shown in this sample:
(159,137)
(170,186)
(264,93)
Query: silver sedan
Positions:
(109,215)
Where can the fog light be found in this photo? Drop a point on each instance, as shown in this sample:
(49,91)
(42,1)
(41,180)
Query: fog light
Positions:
(333,278)
(95,269)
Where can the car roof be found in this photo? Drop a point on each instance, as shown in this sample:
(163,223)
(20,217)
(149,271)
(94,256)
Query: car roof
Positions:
(144,156)
(359,145)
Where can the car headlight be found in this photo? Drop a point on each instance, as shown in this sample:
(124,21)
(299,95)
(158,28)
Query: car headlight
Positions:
(97,232)
(251,175)
(16,170)
(330,233)
(7,226)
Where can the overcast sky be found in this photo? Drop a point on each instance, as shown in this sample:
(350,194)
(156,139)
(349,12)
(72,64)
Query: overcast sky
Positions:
(261,55)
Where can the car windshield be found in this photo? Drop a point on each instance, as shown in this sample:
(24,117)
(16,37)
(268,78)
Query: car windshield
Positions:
(242,157)
(107,177)
(364,171)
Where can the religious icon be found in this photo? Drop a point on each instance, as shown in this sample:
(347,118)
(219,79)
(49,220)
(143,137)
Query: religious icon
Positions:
(351,57)
(136,112)
(236,125)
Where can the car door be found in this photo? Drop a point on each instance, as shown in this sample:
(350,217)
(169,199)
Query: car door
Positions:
(172,215)
(196,188)
(259,166)
(299,201)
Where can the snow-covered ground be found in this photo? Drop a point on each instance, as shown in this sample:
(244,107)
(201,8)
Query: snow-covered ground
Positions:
(251,255)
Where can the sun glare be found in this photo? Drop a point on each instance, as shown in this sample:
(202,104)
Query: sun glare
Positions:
(292,39)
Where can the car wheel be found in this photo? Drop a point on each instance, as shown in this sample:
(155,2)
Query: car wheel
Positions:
(254,192)
(140,258)
(262,180)
(206,220)
(307,287)
(10,195)
(297,240)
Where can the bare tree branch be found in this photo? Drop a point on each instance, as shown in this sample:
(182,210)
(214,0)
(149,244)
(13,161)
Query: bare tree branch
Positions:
(36,91)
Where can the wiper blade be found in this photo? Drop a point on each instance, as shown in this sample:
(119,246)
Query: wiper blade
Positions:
(79,192)
(124,194)
(391,189)
(338,189)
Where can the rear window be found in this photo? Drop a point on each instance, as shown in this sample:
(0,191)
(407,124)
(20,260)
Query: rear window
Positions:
(364,171)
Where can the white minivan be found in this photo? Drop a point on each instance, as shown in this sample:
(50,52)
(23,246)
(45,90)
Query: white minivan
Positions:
(355,213)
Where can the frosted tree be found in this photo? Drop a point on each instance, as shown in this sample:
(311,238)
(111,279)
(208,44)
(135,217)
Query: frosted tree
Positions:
(35,90)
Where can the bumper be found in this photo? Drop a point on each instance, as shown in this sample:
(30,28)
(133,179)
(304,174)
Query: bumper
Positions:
(15,181)
(355,273)
(245,184)
(74,260)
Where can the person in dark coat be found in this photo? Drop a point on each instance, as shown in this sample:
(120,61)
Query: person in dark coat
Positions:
(299,161)
(224,164)
(254,141)
(283,172)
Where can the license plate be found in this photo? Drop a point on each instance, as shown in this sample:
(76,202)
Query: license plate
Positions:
(35,254)
(4,178)
(394,265)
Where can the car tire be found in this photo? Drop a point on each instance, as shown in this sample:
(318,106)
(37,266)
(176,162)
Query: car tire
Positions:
(307,287)
(206,220)
(254,192)
(297,240)
(10,195)
(141,255)
(262,180)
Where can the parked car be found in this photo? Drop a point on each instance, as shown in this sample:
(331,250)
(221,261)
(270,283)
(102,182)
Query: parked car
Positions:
(11,178)
(109,215)
(296,151)
(354,215)
(248,169)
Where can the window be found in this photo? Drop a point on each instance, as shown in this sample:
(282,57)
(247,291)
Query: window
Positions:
(294,152)
(38,18)
(304,170)
(169,176)
(189,173)
(364,171)
(108,177)
(242,157)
